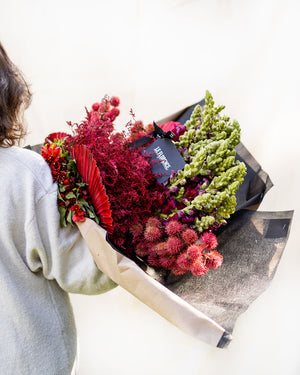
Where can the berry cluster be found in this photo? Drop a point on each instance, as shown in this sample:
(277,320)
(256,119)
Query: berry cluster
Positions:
(178,248)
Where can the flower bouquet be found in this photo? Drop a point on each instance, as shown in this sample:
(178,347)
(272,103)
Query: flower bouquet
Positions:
(161,207)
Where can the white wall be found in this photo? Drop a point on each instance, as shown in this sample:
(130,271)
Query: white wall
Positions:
(158,57)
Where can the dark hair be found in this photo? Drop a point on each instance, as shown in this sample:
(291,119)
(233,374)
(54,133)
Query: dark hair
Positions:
(15,97)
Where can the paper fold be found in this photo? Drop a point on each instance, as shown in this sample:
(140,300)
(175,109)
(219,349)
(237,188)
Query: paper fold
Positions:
(131,277)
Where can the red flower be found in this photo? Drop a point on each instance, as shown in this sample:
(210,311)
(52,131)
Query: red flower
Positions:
(198,268)
(189,236)
(78,213)
(51,154)
(174,228)
(95,106)
(209,240)
(115,101)
(175,127)
(152,234)
(174,245)
(55,136)
(213,259)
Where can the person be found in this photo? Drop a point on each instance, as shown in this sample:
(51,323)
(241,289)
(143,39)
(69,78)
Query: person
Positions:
(40,262)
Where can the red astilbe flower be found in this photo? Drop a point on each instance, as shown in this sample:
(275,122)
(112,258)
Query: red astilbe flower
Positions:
(126,174)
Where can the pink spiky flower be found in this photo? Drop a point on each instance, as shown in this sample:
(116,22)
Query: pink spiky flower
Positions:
(198,268)
(189,236)
(213,259)
(186,259)
(153,222)
(167,261)
(174,228)
(177,270)
(161,248)
(174,245)
(153,258)
(142,249)
(209,240)
(152,234)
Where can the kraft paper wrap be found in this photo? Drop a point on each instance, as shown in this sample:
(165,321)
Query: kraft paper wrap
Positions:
(131,277)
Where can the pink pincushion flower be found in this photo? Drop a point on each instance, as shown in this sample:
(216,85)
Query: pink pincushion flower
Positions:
(184,262)
(194,252)
(161,248)
(213,259)
(167,261)
(209,240)
(178,270)
(198,268)
(174,228)
(153,222)
(136,229)
(115,101)
(189,236)
(154,259)
(152,234)
(174,245)
(142,249)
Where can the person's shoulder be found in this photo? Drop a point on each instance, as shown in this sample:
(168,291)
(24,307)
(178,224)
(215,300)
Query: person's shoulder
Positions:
(27,157)
(32,164)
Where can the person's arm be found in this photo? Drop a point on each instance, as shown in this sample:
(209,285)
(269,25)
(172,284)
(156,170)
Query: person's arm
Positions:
(61,253)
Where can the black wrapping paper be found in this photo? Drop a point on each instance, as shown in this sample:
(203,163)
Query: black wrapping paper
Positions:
(251,243)
(256,182)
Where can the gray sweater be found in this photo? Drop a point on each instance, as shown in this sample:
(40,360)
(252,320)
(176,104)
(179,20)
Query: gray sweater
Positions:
(39,263)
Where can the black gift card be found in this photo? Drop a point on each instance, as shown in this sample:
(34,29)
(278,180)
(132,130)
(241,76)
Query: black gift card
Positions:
(164,158)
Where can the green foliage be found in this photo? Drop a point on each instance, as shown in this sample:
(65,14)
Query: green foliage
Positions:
(208,147)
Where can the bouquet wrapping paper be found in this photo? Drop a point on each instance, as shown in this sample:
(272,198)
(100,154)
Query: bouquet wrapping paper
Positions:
(135,280)
(207,307)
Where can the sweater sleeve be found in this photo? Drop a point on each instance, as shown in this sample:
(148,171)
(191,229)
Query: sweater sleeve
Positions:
(61,253)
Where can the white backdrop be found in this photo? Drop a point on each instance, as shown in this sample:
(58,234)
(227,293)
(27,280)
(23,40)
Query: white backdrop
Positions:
(159,56)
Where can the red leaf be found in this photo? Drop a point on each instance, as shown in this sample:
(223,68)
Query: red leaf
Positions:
(59,135)
(87,167)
